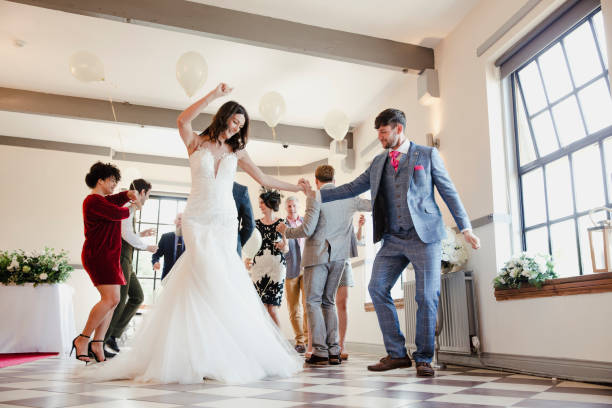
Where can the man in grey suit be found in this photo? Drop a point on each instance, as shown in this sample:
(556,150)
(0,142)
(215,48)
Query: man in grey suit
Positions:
(328,229)
(406,217)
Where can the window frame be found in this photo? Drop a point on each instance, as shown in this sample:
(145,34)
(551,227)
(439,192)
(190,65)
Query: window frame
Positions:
(597,138)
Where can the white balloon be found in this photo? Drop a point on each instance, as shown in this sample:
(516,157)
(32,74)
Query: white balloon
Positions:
(86,67)
(272,108)
(191,72)
(336,124)
(250,249)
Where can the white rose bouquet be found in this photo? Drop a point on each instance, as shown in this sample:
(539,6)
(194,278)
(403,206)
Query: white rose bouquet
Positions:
(525,267)
(455,251)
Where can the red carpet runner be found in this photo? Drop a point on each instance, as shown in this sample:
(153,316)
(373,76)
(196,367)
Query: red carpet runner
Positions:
(12,359)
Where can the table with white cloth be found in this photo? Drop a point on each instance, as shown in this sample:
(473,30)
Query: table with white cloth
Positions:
(36,319)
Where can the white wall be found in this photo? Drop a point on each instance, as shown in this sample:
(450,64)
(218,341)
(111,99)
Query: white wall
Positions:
(472,137)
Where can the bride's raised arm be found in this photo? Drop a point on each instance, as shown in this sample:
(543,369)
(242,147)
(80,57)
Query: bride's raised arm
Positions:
(246,164)
(188,115)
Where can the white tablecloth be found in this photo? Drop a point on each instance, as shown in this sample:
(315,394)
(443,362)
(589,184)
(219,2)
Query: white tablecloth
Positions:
(36,319)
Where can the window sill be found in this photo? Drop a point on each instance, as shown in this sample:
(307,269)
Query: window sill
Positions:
(369,307)
(576,285)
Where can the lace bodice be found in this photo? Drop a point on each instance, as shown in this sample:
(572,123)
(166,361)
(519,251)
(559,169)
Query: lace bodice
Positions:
(212,178)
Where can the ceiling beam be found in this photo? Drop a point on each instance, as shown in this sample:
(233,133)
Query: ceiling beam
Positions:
(18,100)
(253,29)
(142,158)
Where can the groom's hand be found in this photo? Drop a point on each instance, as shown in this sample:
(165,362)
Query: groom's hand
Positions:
(471,239)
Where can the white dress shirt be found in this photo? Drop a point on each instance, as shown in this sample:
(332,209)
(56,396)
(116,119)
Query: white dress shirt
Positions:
(128,234)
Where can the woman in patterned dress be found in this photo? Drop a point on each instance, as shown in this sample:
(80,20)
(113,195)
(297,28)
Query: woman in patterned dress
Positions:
(269,266)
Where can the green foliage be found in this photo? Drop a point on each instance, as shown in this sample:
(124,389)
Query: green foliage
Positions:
(17,267)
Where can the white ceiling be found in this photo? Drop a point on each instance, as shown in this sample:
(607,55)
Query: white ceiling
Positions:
(140,65)
(422,22)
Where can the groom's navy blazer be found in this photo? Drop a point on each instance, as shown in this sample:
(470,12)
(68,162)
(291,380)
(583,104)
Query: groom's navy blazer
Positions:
(246,221)
(426,170)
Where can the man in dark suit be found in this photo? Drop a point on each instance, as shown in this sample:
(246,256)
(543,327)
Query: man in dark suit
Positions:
(171,246)
(246,222)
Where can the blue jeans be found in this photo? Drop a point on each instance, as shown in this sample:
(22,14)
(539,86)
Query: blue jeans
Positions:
(390,261)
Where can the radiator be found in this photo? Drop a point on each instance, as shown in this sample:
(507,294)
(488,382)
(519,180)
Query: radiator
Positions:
(458,312)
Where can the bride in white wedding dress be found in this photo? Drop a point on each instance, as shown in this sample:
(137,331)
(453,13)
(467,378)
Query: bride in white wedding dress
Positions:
(208,321)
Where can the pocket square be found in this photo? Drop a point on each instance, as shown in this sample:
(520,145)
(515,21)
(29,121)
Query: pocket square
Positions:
(419,167)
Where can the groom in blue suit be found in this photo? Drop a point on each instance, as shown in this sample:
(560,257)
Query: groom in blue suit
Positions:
(407,219)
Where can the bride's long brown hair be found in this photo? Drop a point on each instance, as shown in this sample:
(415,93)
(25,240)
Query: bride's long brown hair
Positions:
(219,125)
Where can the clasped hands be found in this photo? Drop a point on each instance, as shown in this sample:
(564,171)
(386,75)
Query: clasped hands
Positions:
(306,188)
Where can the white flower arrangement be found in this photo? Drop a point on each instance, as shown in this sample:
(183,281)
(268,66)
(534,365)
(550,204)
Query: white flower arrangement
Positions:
(455,251)
(526,267)
(49,267)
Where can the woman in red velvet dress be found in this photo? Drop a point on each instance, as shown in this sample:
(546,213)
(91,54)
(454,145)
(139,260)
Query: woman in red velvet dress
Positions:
(102,215)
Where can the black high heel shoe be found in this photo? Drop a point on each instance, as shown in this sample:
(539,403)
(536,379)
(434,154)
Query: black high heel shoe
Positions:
(91,352)
(78,356)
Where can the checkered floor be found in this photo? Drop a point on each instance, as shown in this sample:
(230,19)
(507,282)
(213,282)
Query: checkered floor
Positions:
(51,383)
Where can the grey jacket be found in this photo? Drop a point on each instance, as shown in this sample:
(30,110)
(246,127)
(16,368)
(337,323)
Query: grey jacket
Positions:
(328,229)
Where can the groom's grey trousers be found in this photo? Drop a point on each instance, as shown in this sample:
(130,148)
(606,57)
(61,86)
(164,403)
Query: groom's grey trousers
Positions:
(320,285)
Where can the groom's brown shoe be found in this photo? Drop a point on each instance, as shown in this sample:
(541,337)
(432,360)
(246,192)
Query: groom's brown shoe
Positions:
(389,363)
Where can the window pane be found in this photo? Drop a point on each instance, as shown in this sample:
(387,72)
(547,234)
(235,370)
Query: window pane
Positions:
(558,185)
(601,38)
(167,211)
(608,155)
(555,73)
(141,226)
(147,289)
(587,178)
(145,267)
(564,252)
(149,211)
(525,144)
(181,205)
(537,240)
(544,133)
(596,105)
(533,198)
(532,88)
(568,120)
(582,54)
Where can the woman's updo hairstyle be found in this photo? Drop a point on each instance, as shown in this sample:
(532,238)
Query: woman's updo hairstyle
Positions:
(271,198)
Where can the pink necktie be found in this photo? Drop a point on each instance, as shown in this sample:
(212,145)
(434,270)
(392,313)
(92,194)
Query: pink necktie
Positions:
(394,154)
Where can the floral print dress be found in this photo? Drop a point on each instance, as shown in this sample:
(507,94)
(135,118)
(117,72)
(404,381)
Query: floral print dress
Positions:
(269,265)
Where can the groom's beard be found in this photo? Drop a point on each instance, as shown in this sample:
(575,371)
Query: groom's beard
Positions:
(179,232)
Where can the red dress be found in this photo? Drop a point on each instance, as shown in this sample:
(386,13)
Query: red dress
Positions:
(102,248)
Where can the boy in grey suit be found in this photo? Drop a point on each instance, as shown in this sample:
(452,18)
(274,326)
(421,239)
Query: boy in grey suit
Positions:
(328,229)
(406,217)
